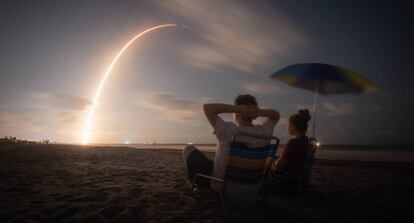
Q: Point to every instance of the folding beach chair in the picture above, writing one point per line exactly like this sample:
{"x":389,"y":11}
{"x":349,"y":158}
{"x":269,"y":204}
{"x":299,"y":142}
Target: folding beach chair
{"x":308,"y":164}
{"x":294,"y":183}
{"x":247,"y":165}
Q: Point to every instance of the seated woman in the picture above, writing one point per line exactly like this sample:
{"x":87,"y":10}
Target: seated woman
{"x":291,"y":161}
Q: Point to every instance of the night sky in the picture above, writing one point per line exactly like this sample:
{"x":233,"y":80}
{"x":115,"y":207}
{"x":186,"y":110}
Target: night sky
{"x":54,"y":53}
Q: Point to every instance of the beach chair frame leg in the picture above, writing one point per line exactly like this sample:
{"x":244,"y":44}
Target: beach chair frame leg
{"x":199,"y":175}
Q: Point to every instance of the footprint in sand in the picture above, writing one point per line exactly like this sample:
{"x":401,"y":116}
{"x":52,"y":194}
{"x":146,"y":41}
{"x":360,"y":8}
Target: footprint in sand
{"x":36,"y":203}
{"x":111,"y":211}
{"x":67,"y":212}
{"x":62,"y":197}
{"x":94,"y":218}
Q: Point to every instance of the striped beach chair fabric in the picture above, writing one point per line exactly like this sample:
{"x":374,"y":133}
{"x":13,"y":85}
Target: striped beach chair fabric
{"x":248,"y":162}
{"x":246,"y":168}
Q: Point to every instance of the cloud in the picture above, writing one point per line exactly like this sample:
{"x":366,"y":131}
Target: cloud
{"x":281,"y":128}
{"x":68,"y":117}
{"x":40,"y":122}
{"x":60,"y":101}
{"x":338,"y":109}
{"x":16,"y":122}
{"x":337,"y":125}
{"x":329,"y":108}
{"x":173,"y":107}
{"x":262,"y":88}
{"x":304,"y":106}
{"x":52,"y":115}
{"x":234,"y":34}
{"x":373,"y":109}
{"x":70,"y":102}
{"x":378,"y":132}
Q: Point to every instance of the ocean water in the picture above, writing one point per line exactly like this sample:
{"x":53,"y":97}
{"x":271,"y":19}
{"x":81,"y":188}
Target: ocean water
{"x":330,"y":152}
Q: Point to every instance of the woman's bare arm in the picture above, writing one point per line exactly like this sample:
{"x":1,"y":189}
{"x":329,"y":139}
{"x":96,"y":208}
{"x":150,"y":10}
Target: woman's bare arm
{"x":281,"y":163}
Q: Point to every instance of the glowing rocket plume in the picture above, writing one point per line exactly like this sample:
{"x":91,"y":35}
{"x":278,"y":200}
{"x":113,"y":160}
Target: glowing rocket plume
{"x":108,"y":71}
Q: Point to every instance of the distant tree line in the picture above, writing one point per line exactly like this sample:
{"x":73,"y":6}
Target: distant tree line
{"x":14,"y":140}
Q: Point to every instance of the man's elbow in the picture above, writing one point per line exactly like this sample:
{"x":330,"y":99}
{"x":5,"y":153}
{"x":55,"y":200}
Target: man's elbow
{"x":206,"y":108}
{"x":275,"y":116}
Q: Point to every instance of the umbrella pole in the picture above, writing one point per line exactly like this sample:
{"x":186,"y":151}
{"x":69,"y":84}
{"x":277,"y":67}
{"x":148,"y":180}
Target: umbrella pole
{"x":315,"y":102}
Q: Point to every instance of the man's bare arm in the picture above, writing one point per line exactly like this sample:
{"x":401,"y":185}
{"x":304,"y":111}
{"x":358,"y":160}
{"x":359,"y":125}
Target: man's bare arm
{"x":213,"y":110}
{"x":272,"y":115}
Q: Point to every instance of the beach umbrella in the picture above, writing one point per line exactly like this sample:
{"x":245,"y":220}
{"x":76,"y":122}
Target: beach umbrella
{"x":323,"y":79}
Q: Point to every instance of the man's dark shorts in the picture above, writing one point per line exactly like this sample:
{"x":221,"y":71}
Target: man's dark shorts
{"x":197,"y":162}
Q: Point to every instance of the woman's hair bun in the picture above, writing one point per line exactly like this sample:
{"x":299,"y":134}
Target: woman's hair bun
{"x":300,"y":120}
{"x":304,"y":113}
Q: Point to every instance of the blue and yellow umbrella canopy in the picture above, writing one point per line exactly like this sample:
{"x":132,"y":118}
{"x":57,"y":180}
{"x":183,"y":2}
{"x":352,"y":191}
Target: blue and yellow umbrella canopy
{"x":324,"y":79}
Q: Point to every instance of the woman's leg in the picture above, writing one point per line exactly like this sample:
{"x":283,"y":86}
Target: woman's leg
{"x":196,"y":162}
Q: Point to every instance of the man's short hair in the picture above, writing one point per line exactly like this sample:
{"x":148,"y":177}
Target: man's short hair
{"x":245,"y":99}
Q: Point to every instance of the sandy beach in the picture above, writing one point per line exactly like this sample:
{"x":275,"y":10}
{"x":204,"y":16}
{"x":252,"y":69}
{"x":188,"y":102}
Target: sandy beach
{"x":66,"y":183}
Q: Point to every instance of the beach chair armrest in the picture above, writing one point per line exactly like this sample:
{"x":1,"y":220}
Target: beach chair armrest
{"x":204,"y":176}
{"x":208,"y":177}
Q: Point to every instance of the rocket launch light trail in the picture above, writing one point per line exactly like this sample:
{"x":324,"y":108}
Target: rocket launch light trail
{"x":108,"y":71}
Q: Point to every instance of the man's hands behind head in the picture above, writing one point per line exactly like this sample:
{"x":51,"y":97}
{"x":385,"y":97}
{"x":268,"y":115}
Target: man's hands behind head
{"x":250,"y":111}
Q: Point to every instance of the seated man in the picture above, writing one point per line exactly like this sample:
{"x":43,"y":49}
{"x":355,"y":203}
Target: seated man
{"x":245,"y":110}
